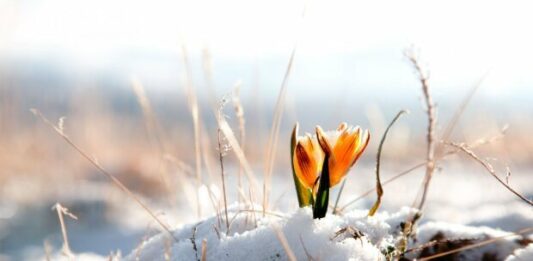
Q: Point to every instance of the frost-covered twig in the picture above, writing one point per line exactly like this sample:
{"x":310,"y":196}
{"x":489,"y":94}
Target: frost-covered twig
{"x":239,"y":112}
{"x":222,"y":149}
{"x":60,"y":212}
{"x":431,"y":115}
{"x":489,"y":168}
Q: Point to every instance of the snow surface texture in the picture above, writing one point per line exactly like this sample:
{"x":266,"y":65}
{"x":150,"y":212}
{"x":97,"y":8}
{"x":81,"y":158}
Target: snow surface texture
{"x":315,"y":239}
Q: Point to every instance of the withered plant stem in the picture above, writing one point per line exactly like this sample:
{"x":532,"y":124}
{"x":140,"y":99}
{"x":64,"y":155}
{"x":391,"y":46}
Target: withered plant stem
{"x":222,"y":174}
{"x":239,"y":112}
{"x":195,"y":113}
{"x":276,"y":122}
{"x":60,"y":212}
{"x":489,"y":168}
{"x":274,"y":131}
{"x":204,"y":250}
{"x":379,"y":187}
{"x":430,"y":135}
{"x":283,"y":240}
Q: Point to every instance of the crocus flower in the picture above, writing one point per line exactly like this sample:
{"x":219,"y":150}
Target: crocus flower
{"x":343,"y":147}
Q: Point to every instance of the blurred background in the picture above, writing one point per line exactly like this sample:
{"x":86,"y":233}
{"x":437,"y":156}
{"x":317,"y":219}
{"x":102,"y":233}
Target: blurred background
{"x":81,"y":60}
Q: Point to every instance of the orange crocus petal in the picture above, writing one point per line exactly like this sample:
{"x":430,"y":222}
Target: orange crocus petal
{"x":342,"y":126}
{"x":306,"y":161}
{"x":323,"y":140}
{"x":343,"y":155}
{"x":364,"y":142}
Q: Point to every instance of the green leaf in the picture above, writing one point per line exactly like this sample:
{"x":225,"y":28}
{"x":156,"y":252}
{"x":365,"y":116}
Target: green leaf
{"x":305,"y":195}
{"x":320,"y":207}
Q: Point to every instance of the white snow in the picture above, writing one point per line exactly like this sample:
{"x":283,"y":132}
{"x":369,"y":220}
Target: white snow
{"x":318,"y":239}
{"x":522,"y":254}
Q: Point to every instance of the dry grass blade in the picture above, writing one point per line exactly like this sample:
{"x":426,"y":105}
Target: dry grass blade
{"x":480,"y":244}
{"x":274,"y":132}
{"x":153,"y":129}
{"x":458,"y":113}
{"x":285,"y":244}
{"x":204,"y":250}
{"x":239,"y":112}
{"x":195,"y":113}
{"x":309,"y":257}
{"x":276,"y":123}
{"x":232,"y":140}
{"x":60,"y":212}
{"x":221,"y":159}
{"x":148,"y":113}
{"x":489,"y":168}
{"x":336,"y":210}
{"x":102,"y":171}
{"x":379,"y":188}
{"x":207,"y":65}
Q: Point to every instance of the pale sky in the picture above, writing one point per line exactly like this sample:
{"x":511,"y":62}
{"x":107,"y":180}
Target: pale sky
{"x":459,"y":40}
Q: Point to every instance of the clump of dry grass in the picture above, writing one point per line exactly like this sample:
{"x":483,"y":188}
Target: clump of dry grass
{"x":104,"y":172}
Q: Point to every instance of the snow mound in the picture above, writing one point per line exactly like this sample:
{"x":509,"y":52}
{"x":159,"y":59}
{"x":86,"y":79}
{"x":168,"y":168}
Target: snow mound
{"x":353,"y":236}
{"x":522,"y":254}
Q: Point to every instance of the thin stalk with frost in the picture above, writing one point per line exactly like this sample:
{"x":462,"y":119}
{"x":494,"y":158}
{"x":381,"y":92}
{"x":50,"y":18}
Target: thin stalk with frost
{"x":490,"y":169}
{"x":222,"y":149}
{"x":430,"y":135}
{"x":60,"y":212}
{"x":239,"y":112}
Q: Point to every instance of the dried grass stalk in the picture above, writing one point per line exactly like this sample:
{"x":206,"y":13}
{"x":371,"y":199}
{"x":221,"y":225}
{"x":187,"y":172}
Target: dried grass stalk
{"x":60,"y":212}
{"x":285,"y":244}
{"x":430,"y":135}
{"x":379,"y":188}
